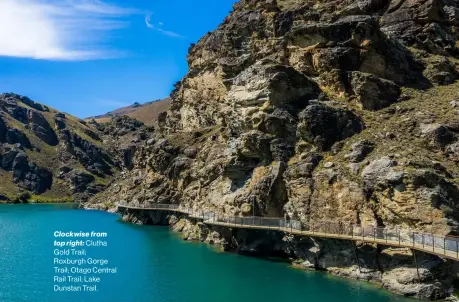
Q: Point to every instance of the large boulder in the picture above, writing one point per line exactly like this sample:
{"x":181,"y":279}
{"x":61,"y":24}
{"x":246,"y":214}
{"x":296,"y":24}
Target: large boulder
{"x":322,"y":125}
{"x":344,"y":58}
{"x":7,"y":157}
{"x":38,"y":180}
{"x":45,"y":134}
{"x":379,"y":172}
{"x":360,"y":150}
{"x":368,"y":91}
{"x":128,"y":155}
{"x":59,"y":123}
{"x":30,"y":176}
{"x":438,"y":135}
{"x":20,"y":166}
{"x":440,"y":70}
{"x":79,"y":180}
{"x":18,"y":112}
{"x":14,"y":136}
{"x":266,"y":81}
{"x":266,"y":85}
{"x":41,"y":128}
{"x":246,"y":152}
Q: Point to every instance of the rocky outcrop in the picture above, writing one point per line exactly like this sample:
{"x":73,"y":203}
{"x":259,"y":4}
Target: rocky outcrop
{"x":368,"y":91}
{"x":93,"y":158}
{"x":14,"y":136}
{"x":323,"y":126}
{"x":119,"y":126}
{"x":32,"y":119}
{"x":41,"y":128}
{"x":440,"y":70}
{"x":360,"y":150}
{"x":425,"y":24}
{"x":30,"y":176}
{"x":316,"y":111}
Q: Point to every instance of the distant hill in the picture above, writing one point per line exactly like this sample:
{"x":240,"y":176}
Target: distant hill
{"x":146,"y":113}
{"x":47,"y":155}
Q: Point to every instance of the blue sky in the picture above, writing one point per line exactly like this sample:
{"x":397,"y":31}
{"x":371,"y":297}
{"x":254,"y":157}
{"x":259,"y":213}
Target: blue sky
{"x":87,"y":57}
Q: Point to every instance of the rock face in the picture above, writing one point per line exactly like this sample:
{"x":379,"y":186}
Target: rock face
{"x":323,"y":126}
{"x":368,"y":91}
{"x":69,"y":159}
{"x":360,"y":150}
{"x":316,"y":111}
{"x":34,"y":178}
{"x":425,"y":24}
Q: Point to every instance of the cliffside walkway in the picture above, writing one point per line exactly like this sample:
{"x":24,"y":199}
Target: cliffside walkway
{"x":446,"y":247}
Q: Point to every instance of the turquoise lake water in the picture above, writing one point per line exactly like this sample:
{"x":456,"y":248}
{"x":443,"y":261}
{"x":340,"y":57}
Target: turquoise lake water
{"x":153,"y":264}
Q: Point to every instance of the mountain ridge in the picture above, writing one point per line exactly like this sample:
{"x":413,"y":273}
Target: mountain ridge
{"x":146,"y":113}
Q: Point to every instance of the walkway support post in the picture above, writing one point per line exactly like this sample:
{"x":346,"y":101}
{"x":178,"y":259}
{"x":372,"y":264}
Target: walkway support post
{"x":356,"y":255}
{"x":416,"y":263}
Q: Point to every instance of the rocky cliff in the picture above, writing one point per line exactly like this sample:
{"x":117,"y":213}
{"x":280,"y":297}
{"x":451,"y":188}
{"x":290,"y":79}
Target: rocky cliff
{"x":47,"y":155}
{"x":317,"y":111}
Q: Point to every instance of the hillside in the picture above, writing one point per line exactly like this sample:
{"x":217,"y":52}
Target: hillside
{"x":146,"y":113}
{"x":319,"y":111}
{"x":47,"y":155}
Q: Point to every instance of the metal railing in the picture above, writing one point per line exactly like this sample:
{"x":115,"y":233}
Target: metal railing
{"x":392,"y":236}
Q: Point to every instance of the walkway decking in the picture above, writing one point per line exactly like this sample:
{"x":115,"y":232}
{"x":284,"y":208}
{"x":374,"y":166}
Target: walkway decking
{"x":446,"y":247}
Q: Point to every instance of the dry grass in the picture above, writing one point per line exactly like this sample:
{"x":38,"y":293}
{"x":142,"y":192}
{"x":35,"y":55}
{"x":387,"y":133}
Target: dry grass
{"x":147,"y":113}
{"x":7,"y":187}
{"x":396,"y":130}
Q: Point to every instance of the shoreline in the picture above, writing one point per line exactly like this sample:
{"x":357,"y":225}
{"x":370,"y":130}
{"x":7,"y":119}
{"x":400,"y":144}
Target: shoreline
{"x":192,"y":230}
{"x":40,"y":202}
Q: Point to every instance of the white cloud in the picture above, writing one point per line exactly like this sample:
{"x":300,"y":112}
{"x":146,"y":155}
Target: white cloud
{"x":60,"y":29}
{"x":159,"y":28}
{"x":99,"y":7}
